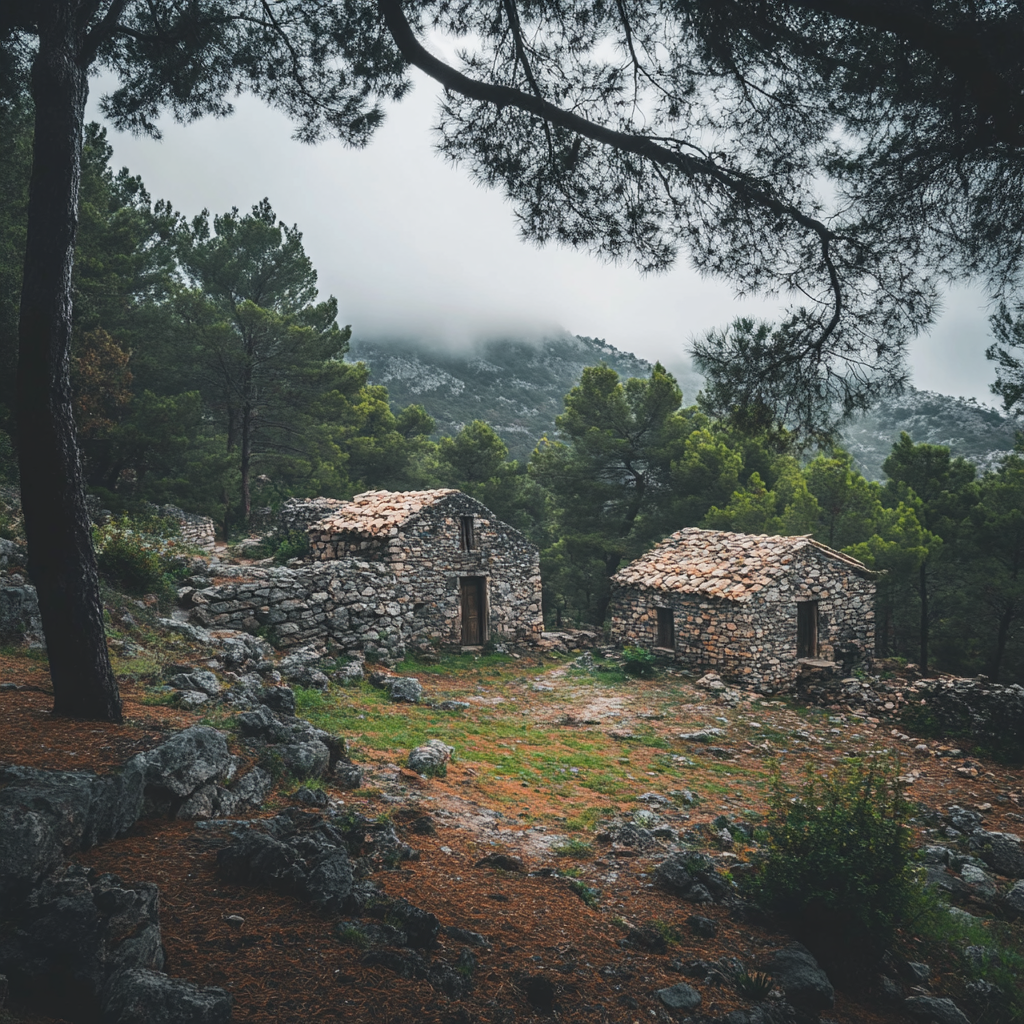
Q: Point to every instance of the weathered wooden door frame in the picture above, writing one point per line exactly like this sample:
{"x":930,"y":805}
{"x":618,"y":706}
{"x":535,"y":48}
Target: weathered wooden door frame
{"x":475,"y":589}
{"x":807,"y":629}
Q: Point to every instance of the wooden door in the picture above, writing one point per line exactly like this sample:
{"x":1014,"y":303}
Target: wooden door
{"x":473,"y":610}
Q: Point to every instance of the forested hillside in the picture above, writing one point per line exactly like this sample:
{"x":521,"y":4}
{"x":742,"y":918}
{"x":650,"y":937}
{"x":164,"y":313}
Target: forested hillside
{"x":517,"y":385}
{"x":980,"y":434}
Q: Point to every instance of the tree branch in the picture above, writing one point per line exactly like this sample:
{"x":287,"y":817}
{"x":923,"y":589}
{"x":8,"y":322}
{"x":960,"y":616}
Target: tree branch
{"x":957,"y":47}
{"x":751,"y":191}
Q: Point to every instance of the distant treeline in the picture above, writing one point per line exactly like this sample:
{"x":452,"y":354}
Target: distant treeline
{"x":209,"y":373}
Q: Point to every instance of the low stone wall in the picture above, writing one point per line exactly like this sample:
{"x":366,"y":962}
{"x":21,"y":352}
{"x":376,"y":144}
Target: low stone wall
{"x":196,"y":530}
{"x":359,"y":605}
{"x":299,"y":514}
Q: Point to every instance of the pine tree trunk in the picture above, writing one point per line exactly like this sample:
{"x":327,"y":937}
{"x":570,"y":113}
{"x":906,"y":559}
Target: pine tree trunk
{"x":1003,"y":635}
{"x":922,"y":589}
{"x":61,"y":560}
{"x":246,"y":461}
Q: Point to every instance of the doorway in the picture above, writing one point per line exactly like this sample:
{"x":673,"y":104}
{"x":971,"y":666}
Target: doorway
{"x":666,"y":628}
{"x":807,"y":629}
{"x":474,"y":610}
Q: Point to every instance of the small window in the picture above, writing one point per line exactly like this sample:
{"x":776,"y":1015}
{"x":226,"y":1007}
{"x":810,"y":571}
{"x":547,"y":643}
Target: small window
{"x":666,"y":628}
{"x":467,"y":538}
{"x":807,"y":629}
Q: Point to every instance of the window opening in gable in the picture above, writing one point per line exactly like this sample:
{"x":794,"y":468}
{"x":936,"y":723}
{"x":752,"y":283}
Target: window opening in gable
{"x":666,"y":628}
{"x":467,"y":537}
{"x":807,"y":629}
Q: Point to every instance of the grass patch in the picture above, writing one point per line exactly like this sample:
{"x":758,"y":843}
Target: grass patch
{"x":606,"y":784}
{"x":587,"y":893}
{"x":140,"y":668}
{"x":578,"y":848}
{"x":584,"y":820}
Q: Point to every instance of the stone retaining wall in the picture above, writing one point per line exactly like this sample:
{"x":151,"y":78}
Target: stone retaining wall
{"x":196,"y":530}
{"x":359,"y":605}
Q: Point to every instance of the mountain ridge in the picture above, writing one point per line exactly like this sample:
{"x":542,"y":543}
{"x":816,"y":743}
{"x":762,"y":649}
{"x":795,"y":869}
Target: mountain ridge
{"x":518,"y":386}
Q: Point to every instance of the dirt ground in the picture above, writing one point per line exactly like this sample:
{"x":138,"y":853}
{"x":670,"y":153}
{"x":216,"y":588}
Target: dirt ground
{"x":283,"y":963}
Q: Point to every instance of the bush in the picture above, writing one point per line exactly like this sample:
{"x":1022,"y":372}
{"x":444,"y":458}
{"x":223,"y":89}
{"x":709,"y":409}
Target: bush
{"x":839,"y":866}
{"x":636,"y":661}
{"x":293,"y":544}
{"x":138,"y":556}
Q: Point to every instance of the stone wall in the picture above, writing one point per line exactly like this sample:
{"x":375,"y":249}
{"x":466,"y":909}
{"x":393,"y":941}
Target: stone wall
{"x":196,"y":530}
{"x":299,"y":514}
{"x":755,"y":642}
{"x":358,"y":605}
{"x":425,"y":556}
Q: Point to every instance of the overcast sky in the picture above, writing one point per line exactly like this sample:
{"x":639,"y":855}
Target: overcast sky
{"x":411,"y":246}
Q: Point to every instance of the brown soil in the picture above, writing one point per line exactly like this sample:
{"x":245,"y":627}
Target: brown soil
{"x":285,"y":964}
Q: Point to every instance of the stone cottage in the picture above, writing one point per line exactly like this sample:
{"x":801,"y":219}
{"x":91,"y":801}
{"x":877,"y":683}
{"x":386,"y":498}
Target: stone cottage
{"x":751,"y":607}
{"x":470,"y":577}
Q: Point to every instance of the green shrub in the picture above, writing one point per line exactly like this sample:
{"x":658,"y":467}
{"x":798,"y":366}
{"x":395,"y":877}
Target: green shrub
{"x":129,"y":565}
{"x":589,"y":895}
{"x":637,"y":661}
{"x":293,"y":544}
{"x":839,"y":866}
{"x":140,"y":555}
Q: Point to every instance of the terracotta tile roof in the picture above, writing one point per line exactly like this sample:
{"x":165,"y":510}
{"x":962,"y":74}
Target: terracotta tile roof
{"x":374,"y":513}
{"x":734,"y":566}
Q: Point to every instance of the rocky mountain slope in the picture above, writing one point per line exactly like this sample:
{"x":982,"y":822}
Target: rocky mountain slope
{"x":978,"y":433}
{"x":517,"y":386}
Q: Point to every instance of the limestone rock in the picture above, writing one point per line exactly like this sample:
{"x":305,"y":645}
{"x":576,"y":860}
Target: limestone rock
{"x":19,"y":612}
{"x":279,"y":698}
{"x":1015,"y":897}
{"x":932,"y":1009}
{"x":429,"y":757}
{"x":1002,"y":851}
{"x":301,"y":857}
{"x":692,"y":876}
{"x":804,"y":983}
{"x":680,"y":997}
{"x":404,"y":690}
{"x":186,"y":761}
{"x":141,"y":996}
{"x":82,"y":928}
{"x":45,"y":815}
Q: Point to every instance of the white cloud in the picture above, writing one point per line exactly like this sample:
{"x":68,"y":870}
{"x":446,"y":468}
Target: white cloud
{"x":411,"y":246}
